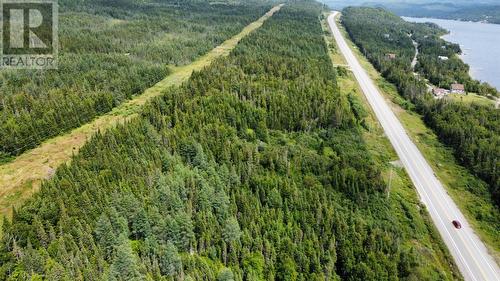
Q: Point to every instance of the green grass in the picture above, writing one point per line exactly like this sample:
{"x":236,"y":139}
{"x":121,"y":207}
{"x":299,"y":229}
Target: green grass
{"x":22,"y":176}
{"x":479,"y":210}
{"x":5,"y":158}
{"x":411,"y":214}
{"x":471,"y":98}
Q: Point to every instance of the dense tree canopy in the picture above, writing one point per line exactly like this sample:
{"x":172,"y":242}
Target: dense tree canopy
{"x":489,"y":13}
{"x":471,"y":130}
{"x":109,"y":51}
{"x":379,"y":33}
{"x":255,"y":169}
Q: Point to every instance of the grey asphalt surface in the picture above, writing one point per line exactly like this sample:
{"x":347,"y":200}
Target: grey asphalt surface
{"x":468,"y":251}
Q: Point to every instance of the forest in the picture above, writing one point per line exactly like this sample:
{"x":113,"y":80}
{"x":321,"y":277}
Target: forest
{"x":468,"y":11}
{"x":109,"y":52}
{"x":471,"y":130}
{"x":443,"y":73}
{"x":254,"y":169}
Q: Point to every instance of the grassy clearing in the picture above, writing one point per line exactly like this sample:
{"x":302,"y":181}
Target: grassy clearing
{"x":22,"y":176}
{"x":471,"y":98}
{"x":411,"y":215}
{"x":479,"y":210}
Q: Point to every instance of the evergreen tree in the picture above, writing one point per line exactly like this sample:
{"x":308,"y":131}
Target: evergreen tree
{"x":225,"y":275}
{"x":125,"y":265}
{"x":170,"y":261}
{"x":105,"y":235}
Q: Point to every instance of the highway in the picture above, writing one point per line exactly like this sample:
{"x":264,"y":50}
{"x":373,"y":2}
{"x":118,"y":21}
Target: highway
{"x":468,"y":251}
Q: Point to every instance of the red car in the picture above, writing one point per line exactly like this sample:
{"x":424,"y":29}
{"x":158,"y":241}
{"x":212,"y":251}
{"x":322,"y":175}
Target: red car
{"x":457,"y":224}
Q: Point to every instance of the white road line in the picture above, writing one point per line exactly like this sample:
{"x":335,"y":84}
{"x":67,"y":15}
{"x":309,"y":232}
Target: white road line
{"x":470,"y":254}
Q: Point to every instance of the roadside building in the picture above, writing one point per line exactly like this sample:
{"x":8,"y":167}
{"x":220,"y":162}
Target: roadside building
{"x":439,"y":93}
{"x":458,"y":88}
{"x":443,"y":57}
{"x":390,"y":56}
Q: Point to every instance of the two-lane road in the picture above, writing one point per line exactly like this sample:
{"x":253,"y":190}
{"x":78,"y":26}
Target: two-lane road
{"x":467,"y":249}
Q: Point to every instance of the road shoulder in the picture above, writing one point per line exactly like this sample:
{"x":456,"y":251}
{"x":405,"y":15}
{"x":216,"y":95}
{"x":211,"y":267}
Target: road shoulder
{"x":478,"y":210}
{"x":411,"y":214}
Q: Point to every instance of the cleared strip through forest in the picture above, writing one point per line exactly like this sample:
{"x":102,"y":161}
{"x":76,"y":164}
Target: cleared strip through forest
{"x":23,"y":176}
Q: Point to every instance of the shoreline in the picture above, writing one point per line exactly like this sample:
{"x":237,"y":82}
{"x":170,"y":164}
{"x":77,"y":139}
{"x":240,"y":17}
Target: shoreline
{"x":475,"y":69}
{"x":457,"y":20}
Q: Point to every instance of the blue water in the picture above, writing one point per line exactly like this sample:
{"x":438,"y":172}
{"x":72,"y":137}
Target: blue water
{"x":480,"y":44}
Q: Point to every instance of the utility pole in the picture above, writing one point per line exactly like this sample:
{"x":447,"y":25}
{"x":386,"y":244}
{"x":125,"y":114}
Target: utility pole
{"x":390,"y":182}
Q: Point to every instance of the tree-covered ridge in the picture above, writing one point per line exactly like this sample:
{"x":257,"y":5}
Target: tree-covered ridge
{"x":379,"y":32}
{"x":253,"y":170}
{"x":472,"y":11}
{"x":472,"y":131}
{"x":109,"y":51}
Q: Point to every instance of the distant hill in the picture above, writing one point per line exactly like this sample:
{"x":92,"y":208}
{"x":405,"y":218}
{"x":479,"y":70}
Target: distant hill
{"x":484,"y":11}
{"x":345,"y":3}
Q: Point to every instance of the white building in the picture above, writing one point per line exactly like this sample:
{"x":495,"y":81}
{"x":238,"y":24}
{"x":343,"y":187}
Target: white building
{"x":439,"y":93}
{"x":458,"y":88}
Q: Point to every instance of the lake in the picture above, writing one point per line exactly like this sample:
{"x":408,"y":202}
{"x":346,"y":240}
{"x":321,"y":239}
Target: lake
{"x":480,"y":44}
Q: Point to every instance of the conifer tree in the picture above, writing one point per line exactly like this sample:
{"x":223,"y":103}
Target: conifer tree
{"x":170,"y":261}
{"x":125,"y":263}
